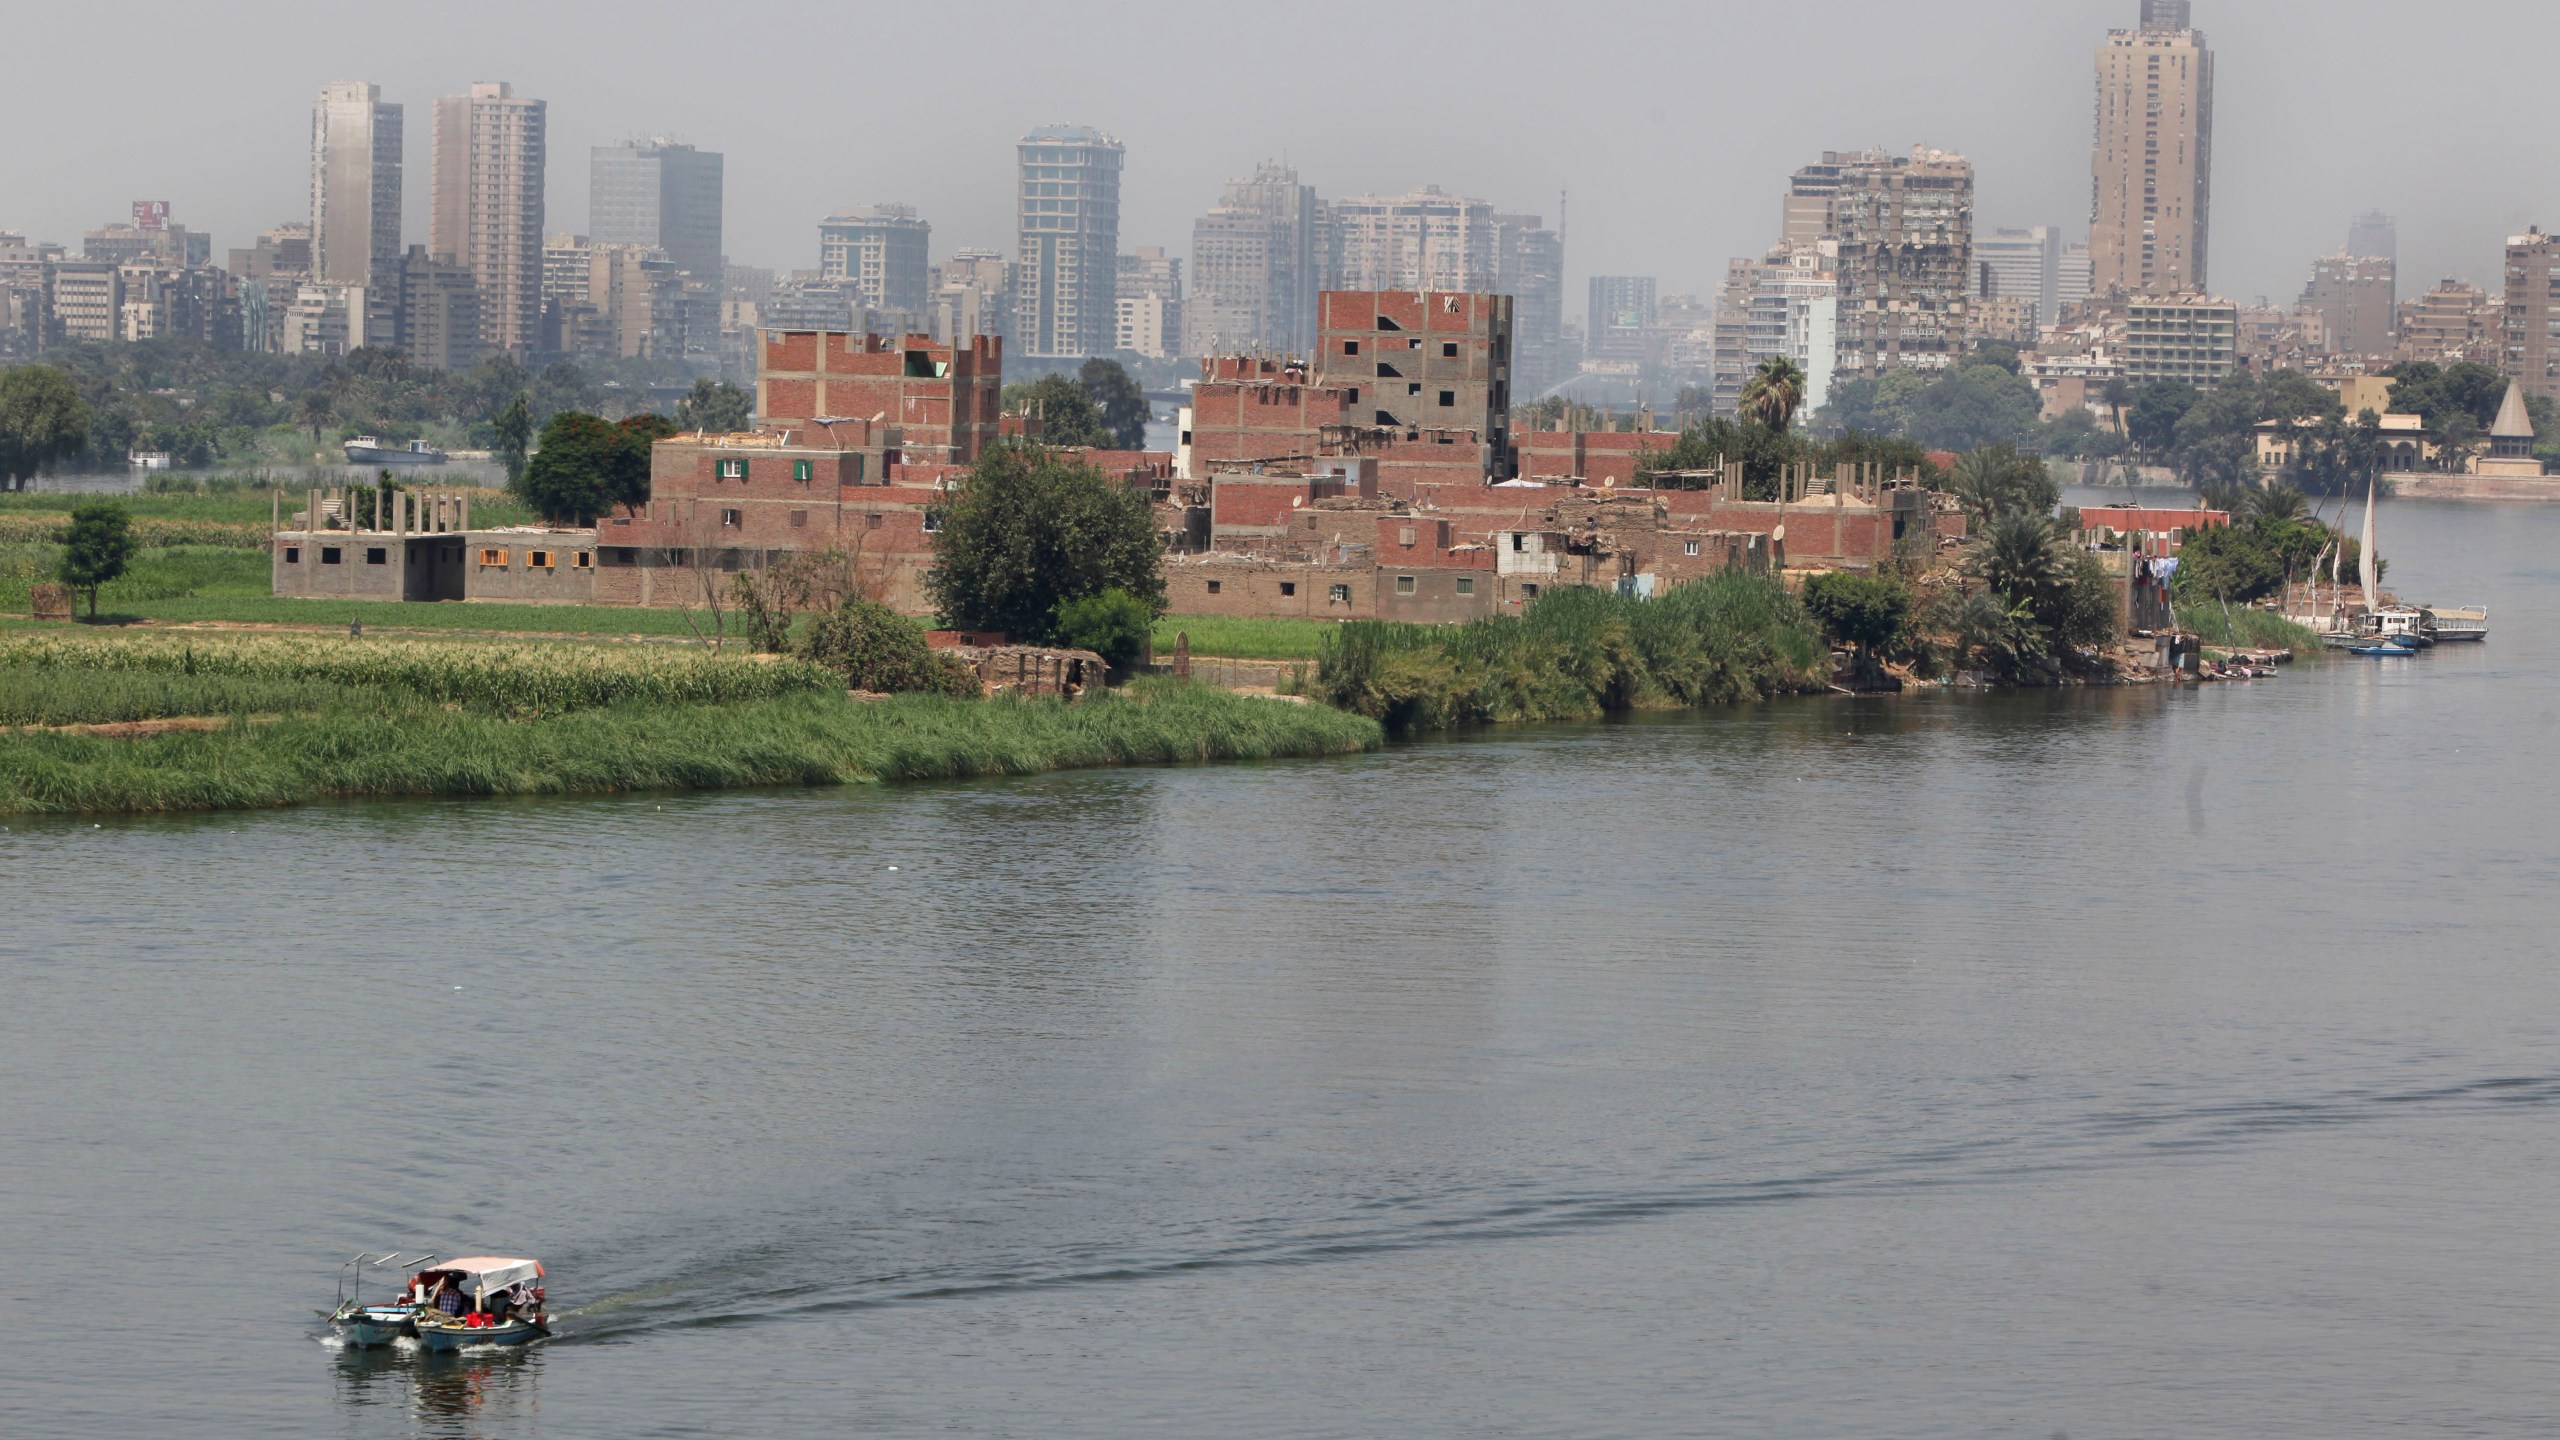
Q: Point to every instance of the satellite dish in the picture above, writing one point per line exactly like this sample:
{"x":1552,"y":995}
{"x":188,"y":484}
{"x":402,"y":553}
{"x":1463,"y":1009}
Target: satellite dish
{"x":1779,"y":535}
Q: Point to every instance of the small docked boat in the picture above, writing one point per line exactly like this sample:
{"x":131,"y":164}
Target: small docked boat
{"x":2401,"y":625}
{"x":364,"y":1326}
{"x":479,"y":1300}
{"x":2383,"y":651}
{"x":369,"y":450}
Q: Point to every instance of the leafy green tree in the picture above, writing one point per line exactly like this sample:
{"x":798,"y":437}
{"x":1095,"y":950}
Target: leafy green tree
{"x":1881,"y":406}
{"x":1774,"y":393}
{"x":562,"y":386}
{"x":572,"y":478}
{"x":1866,"y":612}
{"x":879,"y":650}
{"x":43,"y":421}
{"x":1707,"y":444}
{"x":715,"y":407}
{"x":97,"y":548}
{"x":2021,"y":556}
{"x":629,"y":485}
{"x":1029,"y":531}
{"x":2229,"y":564}
{"x":1066,"y":414}
{"x":1989,"y":629}
{"x":1978,"y":405}
{"x":2152,"y":423}
{"x":513,"y":432}
{"x":2085,"y":616}
{"x":316,"y":408}
{"x":1119,"y":405}
{"x":1114,"y":625}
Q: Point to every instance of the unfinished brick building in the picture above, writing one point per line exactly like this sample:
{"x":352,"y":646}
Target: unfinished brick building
{"x":1422,"y":363}
{"x":944,"y":399}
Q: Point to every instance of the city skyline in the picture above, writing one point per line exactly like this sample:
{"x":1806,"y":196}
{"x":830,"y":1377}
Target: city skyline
{"x":237,"y":173}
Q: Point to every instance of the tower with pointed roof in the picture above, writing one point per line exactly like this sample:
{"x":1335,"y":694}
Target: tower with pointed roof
{"x":2510,"y":440}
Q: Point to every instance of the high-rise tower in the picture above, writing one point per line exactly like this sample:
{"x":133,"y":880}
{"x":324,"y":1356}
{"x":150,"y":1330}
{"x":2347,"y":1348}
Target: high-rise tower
{"x":355,"y":198}
{"x":1066,"y":273}
{"x":2151,"y":189}
{"x":488,"y":206}
{"x":658,"y":194}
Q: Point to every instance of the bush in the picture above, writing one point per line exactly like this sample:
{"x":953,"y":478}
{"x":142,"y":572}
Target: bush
{"x":1863,"y":611}
{"x":877,"y":649}
{"x":1114,"y":625}
{"x":1029,"y":531}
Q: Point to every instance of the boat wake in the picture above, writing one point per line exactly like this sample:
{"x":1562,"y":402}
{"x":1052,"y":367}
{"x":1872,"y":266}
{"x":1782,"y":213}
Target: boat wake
{"x":806,"y":1261}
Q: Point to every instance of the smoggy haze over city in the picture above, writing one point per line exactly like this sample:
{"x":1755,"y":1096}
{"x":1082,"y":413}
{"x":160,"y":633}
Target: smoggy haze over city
{"x":1674,"y":126}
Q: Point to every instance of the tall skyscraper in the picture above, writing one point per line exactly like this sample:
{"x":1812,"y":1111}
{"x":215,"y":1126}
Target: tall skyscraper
{"x":1905,"y":267}
{"x":2151,"y":186}
{"x":1256,"y":264}
{"x":355,"y":199}
{"x":2374,"y":233}
{"x":1150,"y":303}
{"x":1529,"y":267}
{"x":881,"y":251}
{"x":1428,"y":240}
{"x":1067,"y":262}
{"x":1622,"y":309}
{"x":658,"y":194}
{"x":2533,"y":312}
{"x":2021,"y":264}
{"x":488,"y":206}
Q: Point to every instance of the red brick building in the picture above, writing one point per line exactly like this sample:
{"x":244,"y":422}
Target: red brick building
{"x":944,"y":399}
{"x":1601,"y":457}
{"x":1427,"y":363}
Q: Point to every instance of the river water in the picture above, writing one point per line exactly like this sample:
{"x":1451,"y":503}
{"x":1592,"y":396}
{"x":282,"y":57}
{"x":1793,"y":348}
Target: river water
{"x":2122,"y":1063}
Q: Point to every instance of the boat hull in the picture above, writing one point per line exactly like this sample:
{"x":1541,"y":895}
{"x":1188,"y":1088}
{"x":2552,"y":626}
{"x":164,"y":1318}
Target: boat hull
{"x":370,"y":1326}
{"x":444,"y":1337}
{"x":367,"y":455}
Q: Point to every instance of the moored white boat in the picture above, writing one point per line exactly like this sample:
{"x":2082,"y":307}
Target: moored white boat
{"x":2457,"y":622}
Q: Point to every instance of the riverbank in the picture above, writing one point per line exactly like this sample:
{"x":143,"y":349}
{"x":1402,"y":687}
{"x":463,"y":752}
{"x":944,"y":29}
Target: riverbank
{"x":287,"y":721}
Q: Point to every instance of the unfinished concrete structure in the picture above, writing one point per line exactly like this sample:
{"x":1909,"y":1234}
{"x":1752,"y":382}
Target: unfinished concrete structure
{"x":1433,"y":362}
{"x":944,"y":399}
{"x":367,"y":544}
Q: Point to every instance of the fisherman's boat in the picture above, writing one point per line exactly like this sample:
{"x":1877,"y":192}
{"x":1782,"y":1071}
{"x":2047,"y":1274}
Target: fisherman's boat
{"x":479,"y":1300}
{"x":369,"y":450}
{"x":364,"y":1326}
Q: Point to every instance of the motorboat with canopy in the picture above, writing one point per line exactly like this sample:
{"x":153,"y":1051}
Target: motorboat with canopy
{"x":478,"y":1300}
{"x":365,"y":1326}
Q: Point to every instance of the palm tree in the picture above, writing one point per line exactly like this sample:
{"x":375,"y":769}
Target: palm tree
{"x":2118,"y":393}
{"x":1996,"y":480}
{"x":1774,"y":393}
{"x":2020,"y":556}
{"x":2278,"y":501}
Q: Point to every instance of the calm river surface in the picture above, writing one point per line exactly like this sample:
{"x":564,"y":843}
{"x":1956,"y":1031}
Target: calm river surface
{"x":2132,"y":1063}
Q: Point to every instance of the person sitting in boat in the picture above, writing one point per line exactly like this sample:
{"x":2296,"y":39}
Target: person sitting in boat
{"x":449,"y":1297}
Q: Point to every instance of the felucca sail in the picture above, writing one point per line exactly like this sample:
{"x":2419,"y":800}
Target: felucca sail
{"x":2364,"y":562}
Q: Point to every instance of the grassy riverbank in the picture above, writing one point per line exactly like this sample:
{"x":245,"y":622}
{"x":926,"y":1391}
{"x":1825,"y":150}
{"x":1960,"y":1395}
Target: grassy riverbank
{"x":2248,"y":628}
{"x":289,"y":720}
{"x":1576,"y":654}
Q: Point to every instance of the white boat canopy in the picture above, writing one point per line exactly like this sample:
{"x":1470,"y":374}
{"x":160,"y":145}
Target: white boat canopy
{"x":485,"y":1275}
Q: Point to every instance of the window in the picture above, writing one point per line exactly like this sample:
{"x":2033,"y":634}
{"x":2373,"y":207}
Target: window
{"x":1215,"y":586}
{"x":1339,"y":595}
{"x":376,"y":555}
{"x":804,"y":470}
{"x":799,"y":519}
{"x":586,"y":560}
{"x":732,"y":519}
{"x":733,"y":470}
{"x":293,"y":554}
{"x":1448,"y":398}
{"x":1449,"y":349}
{"x":1528,"y":592}
{"x":1350,"y":347}
{"x":871,"y":522}
{"x":1288,"y":588}
{"x":537,"y":559}
{"x":1404,"y":535}
{"x":1466,"y":585}
{"x":1688,"y":547}
{"x":933,"y":522}
{"x":1414,"y":344}
{"x":1414,"y":388}
{"x":1404,"y":584}
{"x":1519,"y":542}
{"x":329,"y":555}
{"x":1386,"y":324}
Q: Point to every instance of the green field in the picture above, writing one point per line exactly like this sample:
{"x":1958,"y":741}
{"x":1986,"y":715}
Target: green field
{"x":1232,"y":639}
{"x":294,"y":718}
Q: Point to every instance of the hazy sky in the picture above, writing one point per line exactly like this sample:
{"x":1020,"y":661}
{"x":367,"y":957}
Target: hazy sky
{"x":1674,"y":125}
